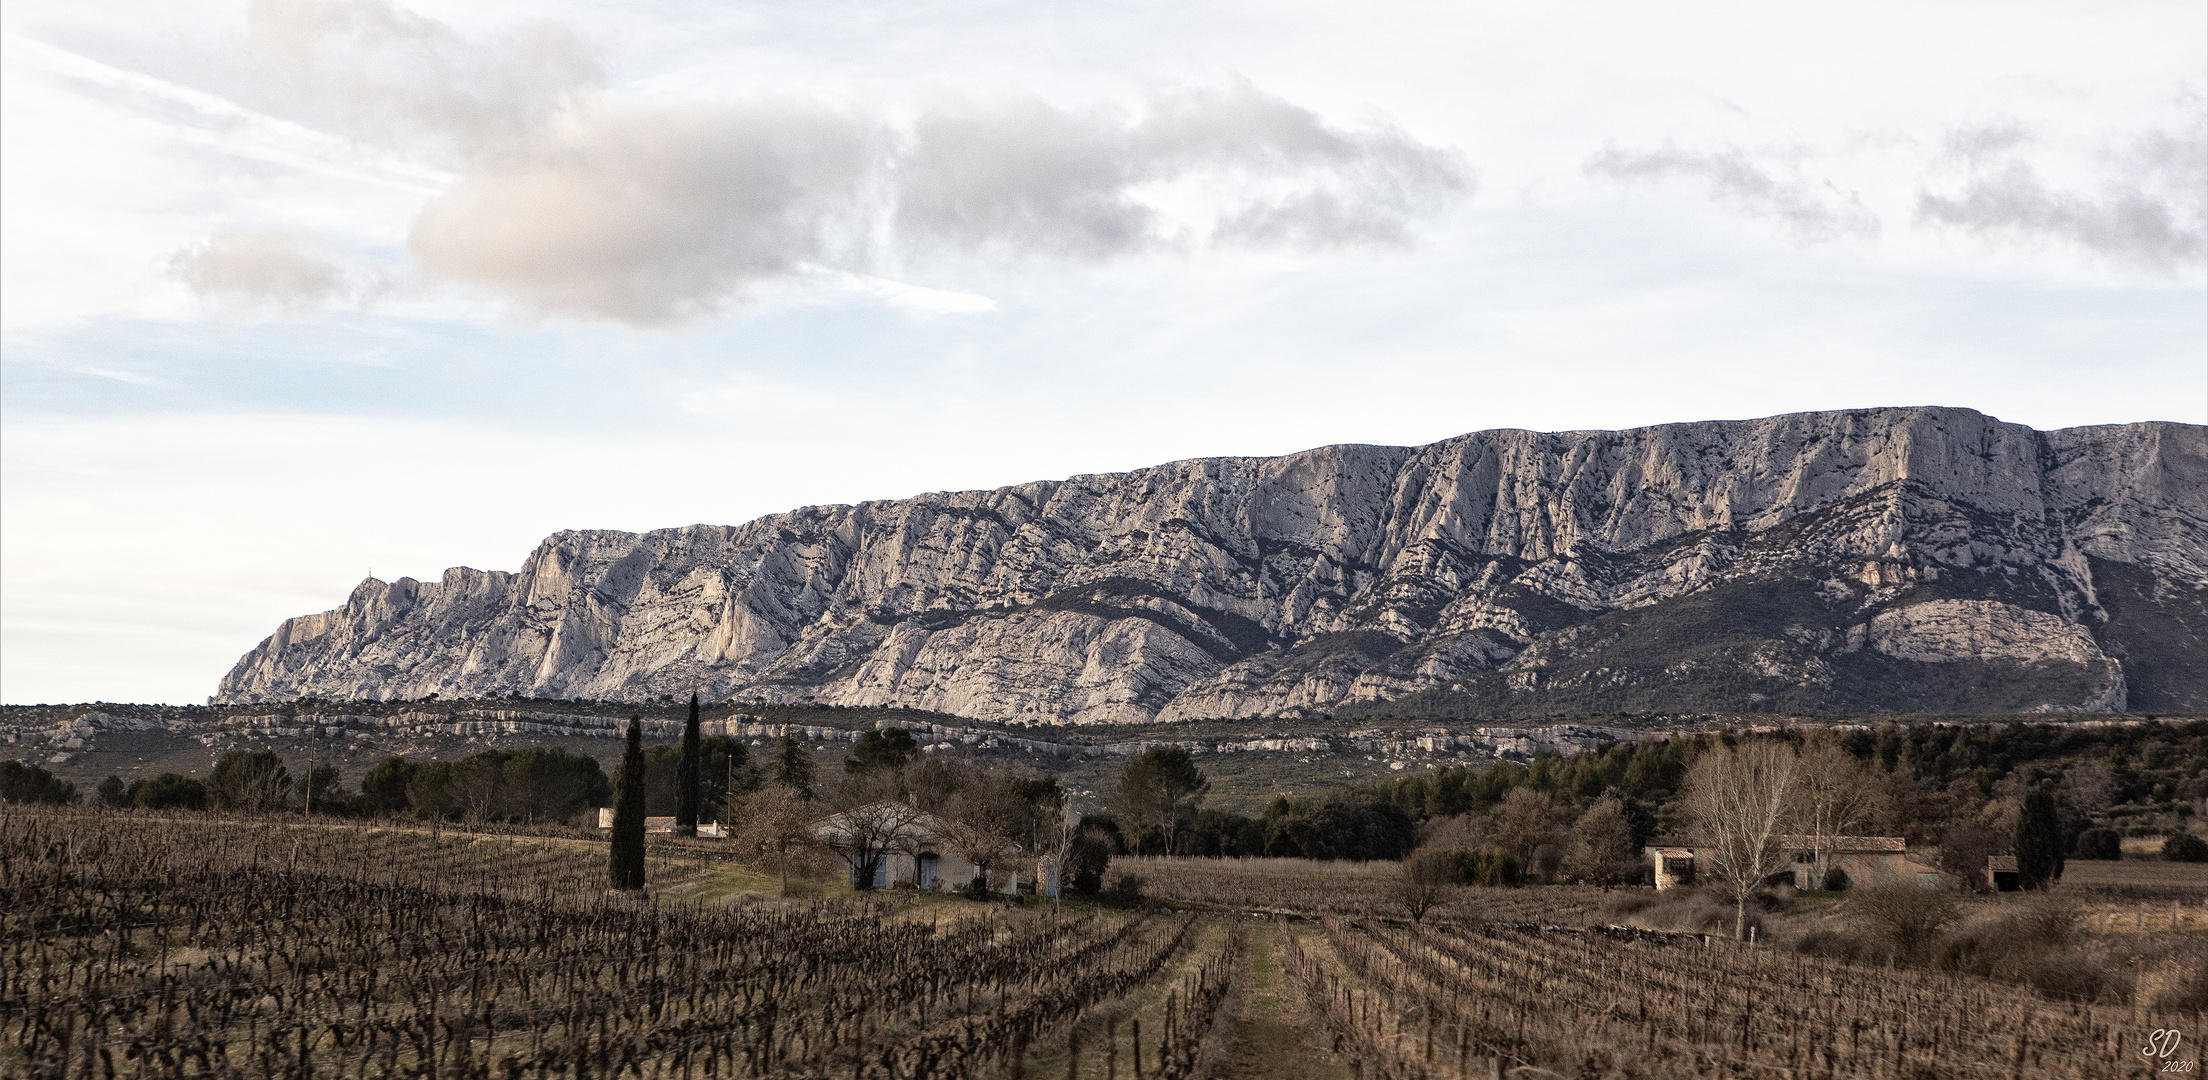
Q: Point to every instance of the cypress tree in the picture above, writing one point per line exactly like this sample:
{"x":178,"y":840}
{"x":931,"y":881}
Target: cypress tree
{"x":686,"y":776}
{"x":628,"y":812}
{"x":2038,"y":841}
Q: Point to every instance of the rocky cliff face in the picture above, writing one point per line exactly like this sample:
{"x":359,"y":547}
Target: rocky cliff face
{"x":1844,"y":561}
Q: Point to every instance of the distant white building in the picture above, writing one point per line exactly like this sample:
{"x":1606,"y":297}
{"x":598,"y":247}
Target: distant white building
{"x":664,"y":824}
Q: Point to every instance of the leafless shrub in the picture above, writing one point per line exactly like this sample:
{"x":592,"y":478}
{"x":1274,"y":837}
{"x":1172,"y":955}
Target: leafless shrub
{"x":1620,"y":904}
{"x":1424,"y":881}
{"x":1907,"y":917}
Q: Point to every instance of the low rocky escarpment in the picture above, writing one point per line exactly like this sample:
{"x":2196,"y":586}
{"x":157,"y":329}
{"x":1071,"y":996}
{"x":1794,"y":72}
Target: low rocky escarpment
{"x":1913,"y":559}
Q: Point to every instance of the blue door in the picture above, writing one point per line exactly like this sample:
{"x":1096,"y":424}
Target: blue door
{"x":927,"y":872}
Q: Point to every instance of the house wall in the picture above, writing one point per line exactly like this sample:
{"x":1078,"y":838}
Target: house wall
{"x":1674,"y":867}
{"x":902,"y":869}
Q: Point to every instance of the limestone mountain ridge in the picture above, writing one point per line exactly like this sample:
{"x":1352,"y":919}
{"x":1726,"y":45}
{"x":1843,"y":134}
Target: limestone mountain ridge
{"x":1904,"y":559}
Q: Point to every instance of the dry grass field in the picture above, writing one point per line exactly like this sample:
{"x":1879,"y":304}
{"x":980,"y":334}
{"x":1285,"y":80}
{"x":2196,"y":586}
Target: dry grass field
{"x":191,"y":946}
{"x":2142,"y":875}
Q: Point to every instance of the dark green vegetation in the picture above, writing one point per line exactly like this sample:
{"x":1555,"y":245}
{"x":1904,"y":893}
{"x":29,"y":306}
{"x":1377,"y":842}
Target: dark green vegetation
{"x":31,"y":785}
{"x":889,"y":748}
{"x":532,"y":785}
{"x":2038,"y":840}
{"x":686,"y":776}
{"x":2142,"y":780}
{"x":1947,"y":784}
{"x":627,"y":854}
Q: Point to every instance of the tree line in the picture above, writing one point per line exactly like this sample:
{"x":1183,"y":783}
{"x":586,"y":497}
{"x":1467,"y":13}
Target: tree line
{"x":889,"y":799}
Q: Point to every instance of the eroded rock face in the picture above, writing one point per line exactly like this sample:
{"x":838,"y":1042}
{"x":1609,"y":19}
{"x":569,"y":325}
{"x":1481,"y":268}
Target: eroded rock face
{"x":1890,"y":558}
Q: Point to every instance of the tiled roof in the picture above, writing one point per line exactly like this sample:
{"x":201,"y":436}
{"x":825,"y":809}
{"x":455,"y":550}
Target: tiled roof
{"x":1841,"y":845}
{"x":2001,"y":864}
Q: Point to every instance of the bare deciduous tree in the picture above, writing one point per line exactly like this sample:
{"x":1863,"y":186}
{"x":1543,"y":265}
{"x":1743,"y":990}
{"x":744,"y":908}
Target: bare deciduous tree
{"x":777,"y":819}
{"x":1737,"y":800}
{"x":1833,"y":796}
{"x":1055,"y":839}
{"x":873,"y":818}
{"x":985,"y":820}
{"x":1525,"y":820}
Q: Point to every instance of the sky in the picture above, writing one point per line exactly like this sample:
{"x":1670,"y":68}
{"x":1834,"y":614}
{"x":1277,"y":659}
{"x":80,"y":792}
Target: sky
{"x":296,"y":292}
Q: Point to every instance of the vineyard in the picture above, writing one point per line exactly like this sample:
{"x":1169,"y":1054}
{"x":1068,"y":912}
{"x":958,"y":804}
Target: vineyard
{"x":1302,"y":886}
{"x":1459,"y":1001}
{"x":142,"y":946}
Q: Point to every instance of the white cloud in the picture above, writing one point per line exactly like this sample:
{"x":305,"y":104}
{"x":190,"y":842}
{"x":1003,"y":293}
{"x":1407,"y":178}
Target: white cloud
{"x":1809,"y":210}
{"x":374,"y":70}
{"x":247,"y":268}
{"x":575,"y":201}
{"x":650,"y":214}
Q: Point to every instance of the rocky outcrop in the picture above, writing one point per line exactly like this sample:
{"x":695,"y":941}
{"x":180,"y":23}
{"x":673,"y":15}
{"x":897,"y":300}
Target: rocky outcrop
{"x":1844,"y":561}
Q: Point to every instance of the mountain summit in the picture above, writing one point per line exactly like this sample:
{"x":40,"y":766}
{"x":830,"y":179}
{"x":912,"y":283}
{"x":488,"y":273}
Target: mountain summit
{"x":1913,"y":559}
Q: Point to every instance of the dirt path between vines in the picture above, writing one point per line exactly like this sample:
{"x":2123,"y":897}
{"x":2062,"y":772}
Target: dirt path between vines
{"x":1273,"y":1038}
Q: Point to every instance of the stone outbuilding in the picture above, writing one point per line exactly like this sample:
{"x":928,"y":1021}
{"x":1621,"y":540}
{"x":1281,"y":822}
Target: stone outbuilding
{"x":1866,"y":860}
{"x":2001,"y":873}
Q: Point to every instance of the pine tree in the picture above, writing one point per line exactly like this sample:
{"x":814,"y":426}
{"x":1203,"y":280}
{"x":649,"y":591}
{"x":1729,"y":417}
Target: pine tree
{"x":628,"y":812}
{"x":686,"y":777}
{"x":794,"y":767}
{"x":2038,"y":841}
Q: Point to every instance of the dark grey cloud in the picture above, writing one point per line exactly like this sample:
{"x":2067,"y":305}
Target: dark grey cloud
{"x":1029,"y":178}
{"x":1022,"y":176}
{"x":1807,"y":210}
{"x":2153,"y":216}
